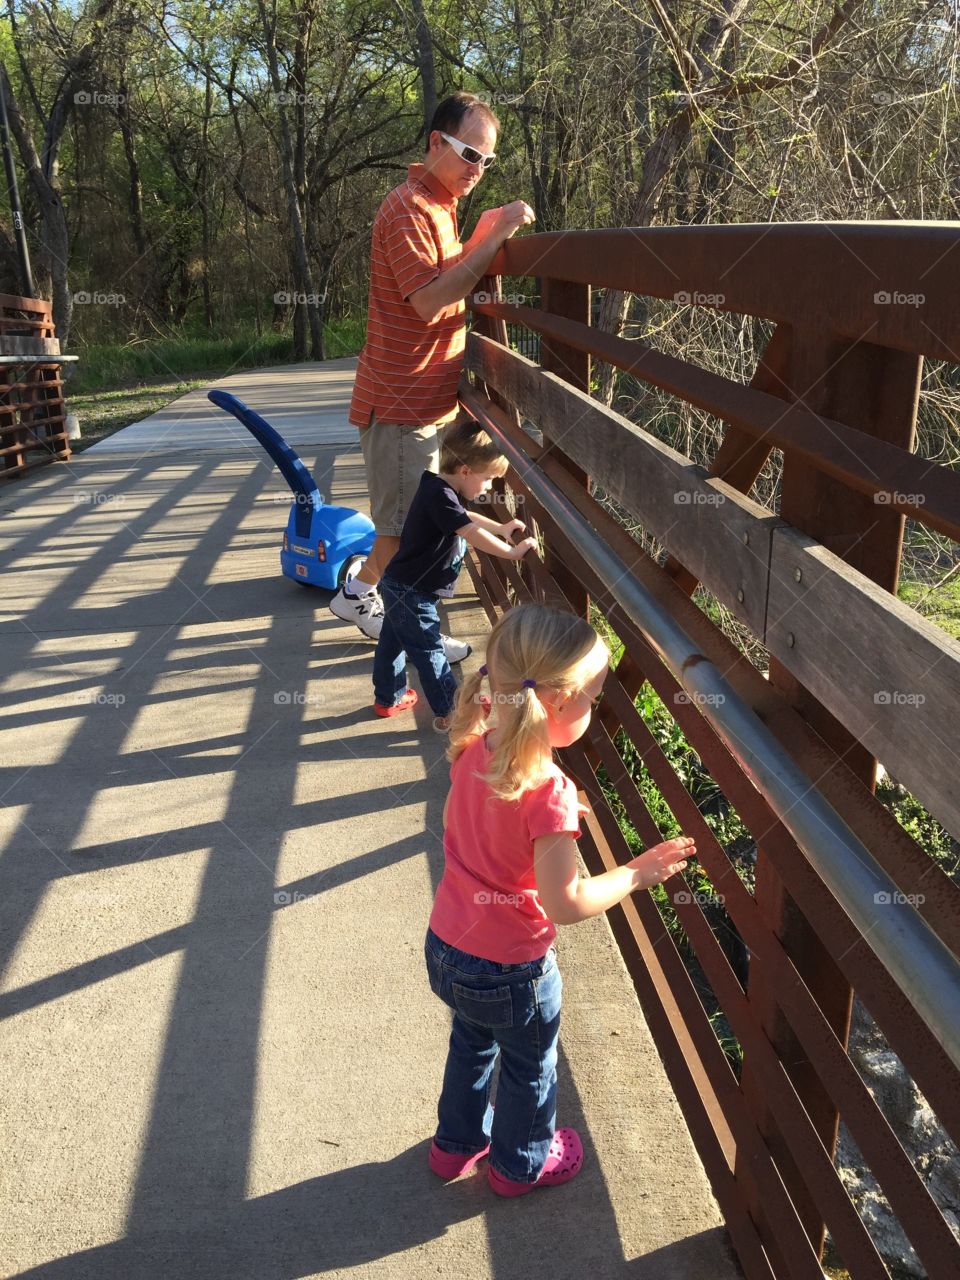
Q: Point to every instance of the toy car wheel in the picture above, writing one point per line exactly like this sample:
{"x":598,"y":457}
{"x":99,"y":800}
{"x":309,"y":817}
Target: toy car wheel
{"x":349,"y":568}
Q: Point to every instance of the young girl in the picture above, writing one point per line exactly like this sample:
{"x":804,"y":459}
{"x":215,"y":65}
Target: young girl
{"x":510,"y":878}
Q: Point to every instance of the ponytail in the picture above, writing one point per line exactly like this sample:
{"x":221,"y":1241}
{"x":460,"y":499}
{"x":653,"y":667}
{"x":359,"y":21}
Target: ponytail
{"x":533,"y":652}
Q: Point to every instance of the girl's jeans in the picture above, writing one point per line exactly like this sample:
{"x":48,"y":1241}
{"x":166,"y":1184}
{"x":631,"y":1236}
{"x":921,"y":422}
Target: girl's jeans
{"x":411,"y":629}
{"x":508,"y":1009}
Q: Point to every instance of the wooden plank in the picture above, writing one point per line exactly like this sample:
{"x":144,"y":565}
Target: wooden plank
{"x":890,"y":282}
{"x":571,"y":301}
{"x":889,"y":676}
{"x":20,"y":345}
{"x":926,"y":491}
{"x":713,"y":530}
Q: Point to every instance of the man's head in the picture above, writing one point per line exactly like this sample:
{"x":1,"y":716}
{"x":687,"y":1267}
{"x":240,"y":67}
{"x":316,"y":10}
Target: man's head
{"x":471,"y":124}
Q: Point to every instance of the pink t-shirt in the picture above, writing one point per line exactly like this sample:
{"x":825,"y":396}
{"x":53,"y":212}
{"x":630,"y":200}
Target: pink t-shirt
{"x":487,"y":902}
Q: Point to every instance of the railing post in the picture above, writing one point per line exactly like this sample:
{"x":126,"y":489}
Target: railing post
{"x":876,"y":390}
{"x":562,"y":298}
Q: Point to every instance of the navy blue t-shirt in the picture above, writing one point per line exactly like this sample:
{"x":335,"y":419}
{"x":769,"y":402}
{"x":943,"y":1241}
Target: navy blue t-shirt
{"x":431,"y":552}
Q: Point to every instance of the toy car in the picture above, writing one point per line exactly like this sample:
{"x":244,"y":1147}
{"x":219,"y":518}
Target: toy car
{"x":323,"y":545}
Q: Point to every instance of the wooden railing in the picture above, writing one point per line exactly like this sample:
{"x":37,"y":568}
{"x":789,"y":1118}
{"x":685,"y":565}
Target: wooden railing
{"x":33,"y":427}
{"x":854,"y":677}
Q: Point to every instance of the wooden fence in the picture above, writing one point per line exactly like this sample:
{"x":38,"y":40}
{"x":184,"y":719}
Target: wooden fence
{"x":854,"y":677}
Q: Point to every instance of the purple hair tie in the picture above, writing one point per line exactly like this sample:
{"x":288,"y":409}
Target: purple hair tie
{"x":483,"y":671}
{"x":529,"y":684}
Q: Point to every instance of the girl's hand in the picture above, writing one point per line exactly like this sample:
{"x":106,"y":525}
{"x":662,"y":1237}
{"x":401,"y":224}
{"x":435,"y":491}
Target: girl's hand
{"x":662,"y":861}
{"x":509,"y":526}
{"x":520,"y":549}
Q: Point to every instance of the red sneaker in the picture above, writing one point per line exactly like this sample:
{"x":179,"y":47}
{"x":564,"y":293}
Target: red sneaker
{"x":408,"y":700}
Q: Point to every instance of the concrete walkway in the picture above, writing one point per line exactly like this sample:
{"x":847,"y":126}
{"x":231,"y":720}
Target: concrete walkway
{"x":221,"y":1057}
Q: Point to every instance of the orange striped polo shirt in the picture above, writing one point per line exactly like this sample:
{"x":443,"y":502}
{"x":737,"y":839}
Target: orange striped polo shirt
{"x":409,"y":370}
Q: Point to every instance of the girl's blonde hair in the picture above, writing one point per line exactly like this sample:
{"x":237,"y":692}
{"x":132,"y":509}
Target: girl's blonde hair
{"x":532,"y":643}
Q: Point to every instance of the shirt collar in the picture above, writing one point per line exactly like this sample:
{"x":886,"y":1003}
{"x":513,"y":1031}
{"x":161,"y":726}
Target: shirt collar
{"x":420,"y":173}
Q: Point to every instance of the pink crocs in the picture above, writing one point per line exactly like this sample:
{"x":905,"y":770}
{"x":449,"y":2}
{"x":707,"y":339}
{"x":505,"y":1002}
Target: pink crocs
{"x":449,"y":1165}
{"x":564,"y":1160}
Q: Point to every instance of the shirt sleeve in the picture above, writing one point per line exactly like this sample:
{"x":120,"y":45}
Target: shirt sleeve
{"x":411,"y":249}
{"x":553,"y":809}
{"x":446,"y":510}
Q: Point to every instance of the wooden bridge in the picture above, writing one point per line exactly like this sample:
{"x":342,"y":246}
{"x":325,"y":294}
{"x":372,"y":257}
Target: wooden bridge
{"x":210,"y":845}
{"x":843,"y":902}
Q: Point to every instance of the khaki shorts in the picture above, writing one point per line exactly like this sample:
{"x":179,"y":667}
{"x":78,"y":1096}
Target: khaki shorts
{"x":395,"y":456}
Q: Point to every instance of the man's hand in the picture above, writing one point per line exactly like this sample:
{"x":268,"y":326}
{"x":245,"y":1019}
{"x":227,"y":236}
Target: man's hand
{"x":509,"y":527}
{"x":500,"y":224}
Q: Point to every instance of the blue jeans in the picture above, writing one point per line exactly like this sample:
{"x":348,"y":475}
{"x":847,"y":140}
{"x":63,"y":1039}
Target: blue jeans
{"x":510,"y":1010}
{"x":411,"y":629}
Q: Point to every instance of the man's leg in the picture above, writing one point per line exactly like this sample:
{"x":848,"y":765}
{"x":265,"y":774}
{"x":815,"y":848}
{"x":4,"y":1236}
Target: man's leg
{"x":381,"y":553}
{"x":394,"y":456}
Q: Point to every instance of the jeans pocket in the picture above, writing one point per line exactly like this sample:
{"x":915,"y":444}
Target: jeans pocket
{"x":491,"y":1008}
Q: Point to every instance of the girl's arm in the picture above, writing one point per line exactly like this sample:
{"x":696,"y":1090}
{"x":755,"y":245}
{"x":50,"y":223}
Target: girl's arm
{"x":568,"y":899}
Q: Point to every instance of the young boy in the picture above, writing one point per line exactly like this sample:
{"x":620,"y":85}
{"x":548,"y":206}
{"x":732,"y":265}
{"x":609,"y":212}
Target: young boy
{"x":432,"y":546}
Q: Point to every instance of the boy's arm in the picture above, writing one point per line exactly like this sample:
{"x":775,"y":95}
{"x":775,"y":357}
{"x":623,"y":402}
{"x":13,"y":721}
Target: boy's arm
{"x":483,"y":540}
{"x":502,"y":529}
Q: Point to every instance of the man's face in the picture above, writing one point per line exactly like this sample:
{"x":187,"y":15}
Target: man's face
{"x":455,"y":174}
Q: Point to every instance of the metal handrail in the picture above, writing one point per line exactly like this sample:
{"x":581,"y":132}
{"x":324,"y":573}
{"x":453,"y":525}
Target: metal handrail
{"x":923,"y":966}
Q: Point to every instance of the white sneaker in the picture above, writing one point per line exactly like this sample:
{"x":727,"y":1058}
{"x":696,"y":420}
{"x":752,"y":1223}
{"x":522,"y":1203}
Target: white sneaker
{"x":455,"y":650}
{"x":365,"y":611}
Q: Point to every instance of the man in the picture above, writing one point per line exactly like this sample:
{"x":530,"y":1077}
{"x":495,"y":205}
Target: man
{"x":409,"y":370}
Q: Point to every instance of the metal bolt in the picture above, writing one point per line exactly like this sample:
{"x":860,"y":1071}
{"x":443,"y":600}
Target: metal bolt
{"x":740,"y":595}
{"x":791,"y":639}
{"x":798,"y":574}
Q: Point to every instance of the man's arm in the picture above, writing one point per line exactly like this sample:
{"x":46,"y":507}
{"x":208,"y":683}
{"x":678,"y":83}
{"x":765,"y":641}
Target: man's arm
{"x":456,"y":282}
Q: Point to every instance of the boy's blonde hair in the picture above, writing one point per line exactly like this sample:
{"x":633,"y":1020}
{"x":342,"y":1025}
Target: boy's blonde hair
{"x":466,"y":444}
{"x":530,"y":643}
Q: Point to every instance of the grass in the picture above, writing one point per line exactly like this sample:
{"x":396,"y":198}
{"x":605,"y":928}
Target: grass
{"x":106,"y":412}
{"x":940,"y":605}
{"x":118,"y":384}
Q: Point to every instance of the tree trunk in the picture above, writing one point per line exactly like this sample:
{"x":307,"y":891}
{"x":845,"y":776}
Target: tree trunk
{"x":426,"y":67}
{"x":303,"y":276}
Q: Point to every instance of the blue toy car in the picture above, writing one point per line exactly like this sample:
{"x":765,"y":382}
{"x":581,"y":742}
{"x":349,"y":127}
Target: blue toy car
{"x":323,"y":545}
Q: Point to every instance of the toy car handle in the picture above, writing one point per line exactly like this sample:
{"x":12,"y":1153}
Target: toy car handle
{"x":292,"y":468}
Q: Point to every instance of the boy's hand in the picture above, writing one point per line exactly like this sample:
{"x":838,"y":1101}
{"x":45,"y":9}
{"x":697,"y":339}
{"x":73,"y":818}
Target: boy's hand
{"x":520,"y":549}
{"x":509,"y":527}
{"x":662,"y":861}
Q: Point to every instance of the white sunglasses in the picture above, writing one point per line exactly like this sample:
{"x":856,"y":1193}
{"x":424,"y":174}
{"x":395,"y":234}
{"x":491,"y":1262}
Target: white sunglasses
{"x":470,"y":154}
